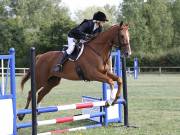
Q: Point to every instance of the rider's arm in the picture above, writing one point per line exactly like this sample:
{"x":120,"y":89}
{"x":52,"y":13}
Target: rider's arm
{"x":99,"y":30}
{"x":81,"y":30}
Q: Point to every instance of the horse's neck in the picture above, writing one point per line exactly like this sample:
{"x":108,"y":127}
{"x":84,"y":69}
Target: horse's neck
{"x":103,"y":42}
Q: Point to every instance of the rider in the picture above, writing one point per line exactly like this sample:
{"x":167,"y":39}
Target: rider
{"x":84,"y":31}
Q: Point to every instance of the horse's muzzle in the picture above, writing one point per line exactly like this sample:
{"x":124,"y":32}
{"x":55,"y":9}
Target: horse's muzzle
{"x":127,"y":51}
{"x":127,"y":54}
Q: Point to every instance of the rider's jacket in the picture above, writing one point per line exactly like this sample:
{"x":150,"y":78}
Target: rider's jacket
{"x":86,"y":27}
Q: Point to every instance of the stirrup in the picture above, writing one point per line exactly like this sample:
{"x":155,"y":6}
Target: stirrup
{"x":60,"y":67}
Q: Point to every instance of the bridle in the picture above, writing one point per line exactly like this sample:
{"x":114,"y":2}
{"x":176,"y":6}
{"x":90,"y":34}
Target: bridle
{"x":118,"y":43}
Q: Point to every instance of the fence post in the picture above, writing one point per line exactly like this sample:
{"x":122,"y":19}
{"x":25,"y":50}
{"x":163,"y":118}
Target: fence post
{"x":159,"y":70}
{"x":125,"y":95}
{"x":33,"y":92}
{"x":135,"y":68}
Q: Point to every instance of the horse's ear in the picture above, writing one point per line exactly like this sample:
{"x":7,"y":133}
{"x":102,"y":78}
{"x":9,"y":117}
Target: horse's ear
{"x":127,"y":25}
{"x":121,"y":23}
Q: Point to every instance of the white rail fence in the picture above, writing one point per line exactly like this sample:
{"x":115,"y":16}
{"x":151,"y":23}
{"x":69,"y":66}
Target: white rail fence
{"x":157,"y":70}
{"x":18,"y":71}
{"x":130,"y":70}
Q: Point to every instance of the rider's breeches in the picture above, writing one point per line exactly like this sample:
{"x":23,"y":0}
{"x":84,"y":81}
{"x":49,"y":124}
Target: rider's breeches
{"x":71,"y":45}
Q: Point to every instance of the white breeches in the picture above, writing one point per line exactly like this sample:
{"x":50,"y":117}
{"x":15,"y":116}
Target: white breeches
{"x":71,"y":45}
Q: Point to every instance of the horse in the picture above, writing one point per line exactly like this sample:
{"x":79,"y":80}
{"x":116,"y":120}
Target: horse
{"x":92,"y":65}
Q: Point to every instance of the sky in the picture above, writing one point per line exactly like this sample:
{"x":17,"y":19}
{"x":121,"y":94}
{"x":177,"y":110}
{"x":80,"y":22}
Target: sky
{"x":75,"y":5}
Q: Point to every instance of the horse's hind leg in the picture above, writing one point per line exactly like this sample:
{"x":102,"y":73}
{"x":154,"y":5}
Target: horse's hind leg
{"x":52,"y":82}
{"x":21,"y":116}
{"x":42,"y":92}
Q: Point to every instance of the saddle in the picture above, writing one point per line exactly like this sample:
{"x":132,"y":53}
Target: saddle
{"x":79,"y":47}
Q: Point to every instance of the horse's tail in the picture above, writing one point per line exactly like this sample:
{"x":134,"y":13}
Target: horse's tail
{"x":25,"y":78}
{"x":27,"y":75}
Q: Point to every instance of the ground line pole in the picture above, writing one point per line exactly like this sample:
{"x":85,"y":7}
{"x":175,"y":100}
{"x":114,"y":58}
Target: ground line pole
{"x":125,"y":95}
{"x":33,"y":92}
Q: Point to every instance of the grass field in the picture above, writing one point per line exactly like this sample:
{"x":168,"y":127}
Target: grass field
{"x":154,"y":106}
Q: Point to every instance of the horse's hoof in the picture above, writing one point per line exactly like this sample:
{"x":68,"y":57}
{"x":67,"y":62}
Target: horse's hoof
{"x":20,"y":117}
{"x":113,"y":103}
{"x":109,"y":103}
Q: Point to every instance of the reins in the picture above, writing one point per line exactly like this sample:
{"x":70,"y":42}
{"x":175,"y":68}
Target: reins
{"x":99,"y":54}
{"x":115,"y":41}
{"x":109,"y":52}
{"x":93,"y":50}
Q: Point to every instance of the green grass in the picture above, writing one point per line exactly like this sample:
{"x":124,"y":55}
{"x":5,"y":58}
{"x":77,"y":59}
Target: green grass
{"x":154,"y":106}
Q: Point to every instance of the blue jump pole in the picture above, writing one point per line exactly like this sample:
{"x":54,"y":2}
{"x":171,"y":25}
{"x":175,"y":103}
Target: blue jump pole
{"x":13,"y":86}
{"x":12,"y":93}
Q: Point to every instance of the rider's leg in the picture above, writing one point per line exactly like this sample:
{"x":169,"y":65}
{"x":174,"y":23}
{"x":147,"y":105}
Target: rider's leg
{"x":63,"y":60}
{"x":71,"y":46}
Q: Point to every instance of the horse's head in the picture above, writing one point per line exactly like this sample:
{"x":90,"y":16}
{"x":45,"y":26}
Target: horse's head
{"x":122,"y":39}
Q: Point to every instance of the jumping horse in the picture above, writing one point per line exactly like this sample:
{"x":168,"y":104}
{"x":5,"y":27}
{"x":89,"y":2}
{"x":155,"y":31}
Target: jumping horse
{"x":92,"y":64}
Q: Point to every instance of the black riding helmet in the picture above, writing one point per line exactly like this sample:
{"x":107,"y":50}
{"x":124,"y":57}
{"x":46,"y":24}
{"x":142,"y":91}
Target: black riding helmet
{"x":99,"y":16}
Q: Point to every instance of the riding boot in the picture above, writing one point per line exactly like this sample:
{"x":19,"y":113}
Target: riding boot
{"x":63,"y":60}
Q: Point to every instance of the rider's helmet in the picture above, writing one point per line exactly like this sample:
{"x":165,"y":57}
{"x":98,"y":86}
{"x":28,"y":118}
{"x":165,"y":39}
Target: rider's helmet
{"x":99,"y":16}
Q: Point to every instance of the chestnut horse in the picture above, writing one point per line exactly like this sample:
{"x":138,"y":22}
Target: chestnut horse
{"x":92,"y":64}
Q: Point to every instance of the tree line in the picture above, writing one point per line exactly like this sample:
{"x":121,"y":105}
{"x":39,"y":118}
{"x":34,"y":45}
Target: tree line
{"x":153,"y":26}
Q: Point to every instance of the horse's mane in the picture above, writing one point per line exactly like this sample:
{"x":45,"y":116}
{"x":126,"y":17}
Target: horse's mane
{"x":99,"y":34}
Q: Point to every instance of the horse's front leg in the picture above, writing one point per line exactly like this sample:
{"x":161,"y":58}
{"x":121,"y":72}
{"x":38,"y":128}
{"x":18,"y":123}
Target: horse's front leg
{"x":103,"y":77}
{"x":119,"y":83}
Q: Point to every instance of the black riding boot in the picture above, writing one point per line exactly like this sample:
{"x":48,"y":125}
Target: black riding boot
{"x":63,"y":60}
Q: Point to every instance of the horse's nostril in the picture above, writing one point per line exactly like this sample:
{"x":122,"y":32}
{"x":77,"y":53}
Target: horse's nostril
{"x":126,"y":54}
